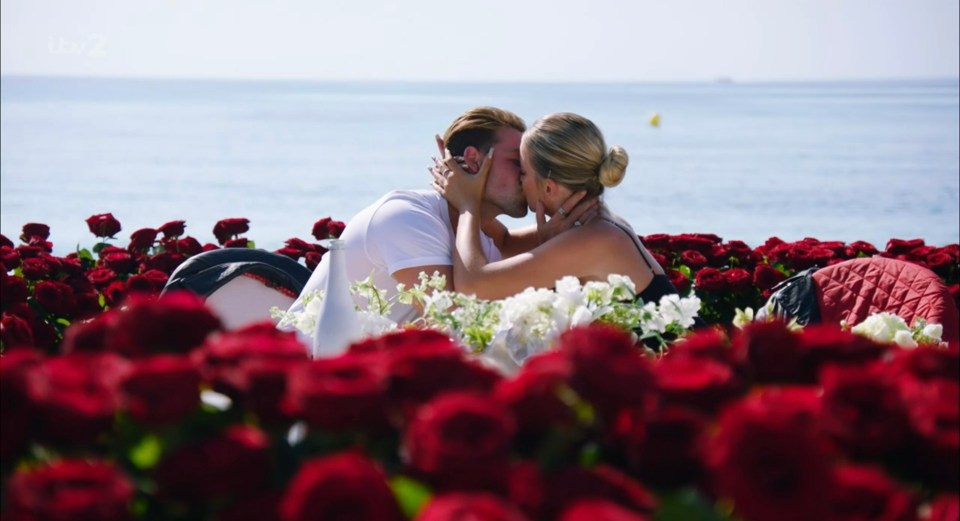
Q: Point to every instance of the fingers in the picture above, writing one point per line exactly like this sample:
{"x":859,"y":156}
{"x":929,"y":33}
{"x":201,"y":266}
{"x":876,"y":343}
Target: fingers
{"x":583,"y":210}
{"x":541,"y":216}
{"x":571,"y":203}
{"x":486,"y":165}
{"x":441,"y":146}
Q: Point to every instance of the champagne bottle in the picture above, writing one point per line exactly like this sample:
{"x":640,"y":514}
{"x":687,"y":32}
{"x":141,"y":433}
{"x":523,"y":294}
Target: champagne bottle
{"x":337,"y":324}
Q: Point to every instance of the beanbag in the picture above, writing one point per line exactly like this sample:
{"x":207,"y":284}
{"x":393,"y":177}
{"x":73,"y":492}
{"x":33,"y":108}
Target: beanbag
{"x":853,"y":290}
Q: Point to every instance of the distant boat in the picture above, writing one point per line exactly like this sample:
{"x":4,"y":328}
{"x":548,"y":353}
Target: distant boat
{"x":655,"y":119}
{"x":724,"y":79}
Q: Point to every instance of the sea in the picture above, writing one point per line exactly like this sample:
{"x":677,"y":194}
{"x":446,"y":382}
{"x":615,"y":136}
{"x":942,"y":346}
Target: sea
{"x":748,"y":161}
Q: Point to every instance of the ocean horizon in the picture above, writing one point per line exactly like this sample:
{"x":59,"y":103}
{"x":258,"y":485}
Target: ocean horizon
{"x":836,"y":160}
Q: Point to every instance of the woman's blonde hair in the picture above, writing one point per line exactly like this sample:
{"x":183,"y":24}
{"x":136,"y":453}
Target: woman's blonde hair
{"x":570,"y":149}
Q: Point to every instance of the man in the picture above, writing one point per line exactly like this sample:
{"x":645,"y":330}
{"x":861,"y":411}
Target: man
{"x":407,"y":232}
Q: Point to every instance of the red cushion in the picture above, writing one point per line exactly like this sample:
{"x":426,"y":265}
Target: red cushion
{"x":853,"y":290}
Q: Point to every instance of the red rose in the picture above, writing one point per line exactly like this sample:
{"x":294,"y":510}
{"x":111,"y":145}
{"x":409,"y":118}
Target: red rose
{"x":186,"y":246}
{"x":312,"y":260}
{"x":608,"y":370}
{"x":663,"y":449}
{"x":738,"y":279}
{"x":346,"y":392}
{"x":161,"y":389}
{"x":863,"y":409}
{"x":695,"y":241}
{"x":121,"y":262}
{"x":172,"y":228}
{"x":461,"y":441}
{"x":900,"y":246}
{"x":142,"y":239}
{"x":321,"y":229}
{"x":103,"y":225}
{"x":29,"y":252}
{"x":5,"y":242}
{"x":34,"y":230}
{"x":935,"y":421}
{"x":251,"y":365}
{"x":940,"y":262}
{"x":101,"y":277}
{"x":742,"y":252}
{"x":15,"y":332}
{"x":862,"y":492}
{"x":574,"y":484}
{"x":766,"y":276}
{"x":235,"y":462}
{"x":534,"y":394}
{"x":657,"y":241}
{"x":90,"y":335}
{"x":710,"y":279}
{"x":679,"y":280}
{"x":336,"y":228}
{"x":769,"y":462}
{"x":346,"y":485}
{"x":826,"y":343}
{"x":773,"y":351}
{"x":293,"y":253}
{"x":114,"y":293}
{"x":10,"y":258}
{"x":166,"y":262}
{"x":599,"y":510}
{"x":424,"y":364}
{"x":700,"y":383}
{"x":860,"y":249}
{"x":801,"y":257}
{"x":929,"y":362}
{"x":75,"y":396}
{"x":55,"y":297}
{"x":70,"y":489}
{"x":16,"y":422}
{"x":477,"y":506}
{"x":661,"y":259}
{"x":944,"y":507}
{"x":35,"y":268}
{"x":303,"y":246}
{"x":240,"y":242}
{"x":175,"y":323}
{"x":694,"y":259}
{"x":150,"y":282}
{"x":225,"y":229}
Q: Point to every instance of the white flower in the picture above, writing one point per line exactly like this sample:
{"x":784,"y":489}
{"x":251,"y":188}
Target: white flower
{"x":904,"y":339}
{"x":881,"y":327}
{"x":742,"y":317}
{"x":934,"y":332}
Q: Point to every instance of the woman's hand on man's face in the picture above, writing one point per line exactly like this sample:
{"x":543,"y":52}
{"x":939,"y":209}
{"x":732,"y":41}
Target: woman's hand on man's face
{"x":460,"y":188}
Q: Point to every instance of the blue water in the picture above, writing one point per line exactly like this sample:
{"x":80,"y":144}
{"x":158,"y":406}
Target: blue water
{"x":836,"y":161}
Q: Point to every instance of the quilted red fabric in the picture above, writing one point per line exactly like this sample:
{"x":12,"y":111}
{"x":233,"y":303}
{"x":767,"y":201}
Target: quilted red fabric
{"x":853,"y":290}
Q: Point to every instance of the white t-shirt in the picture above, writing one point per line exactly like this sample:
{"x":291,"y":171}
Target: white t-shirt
{"x":403,"y":229}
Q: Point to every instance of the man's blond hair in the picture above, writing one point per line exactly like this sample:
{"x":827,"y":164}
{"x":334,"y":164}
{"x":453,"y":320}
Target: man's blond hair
{"x":477,"y":127}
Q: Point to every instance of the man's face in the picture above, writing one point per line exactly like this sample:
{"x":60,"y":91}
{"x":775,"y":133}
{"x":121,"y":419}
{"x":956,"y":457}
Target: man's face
{"x":503,"y":185}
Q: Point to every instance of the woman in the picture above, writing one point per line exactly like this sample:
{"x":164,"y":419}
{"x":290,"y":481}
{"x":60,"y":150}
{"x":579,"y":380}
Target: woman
{"x":560,"y":155}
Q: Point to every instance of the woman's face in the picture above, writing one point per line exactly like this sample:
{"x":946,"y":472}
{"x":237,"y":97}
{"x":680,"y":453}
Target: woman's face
{"x":530,"y":180}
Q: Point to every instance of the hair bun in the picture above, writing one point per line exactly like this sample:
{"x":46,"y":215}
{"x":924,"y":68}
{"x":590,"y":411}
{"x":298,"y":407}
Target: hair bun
{"x":614,"y":166}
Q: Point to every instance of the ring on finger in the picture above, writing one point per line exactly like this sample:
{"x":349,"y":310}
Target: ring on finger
{"x":577,"y":223}
{"x":562,"y":212}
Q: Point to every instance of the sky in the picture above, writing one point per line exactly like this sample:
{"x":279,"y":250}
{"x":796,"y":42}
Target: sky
{"x":496,"y":40}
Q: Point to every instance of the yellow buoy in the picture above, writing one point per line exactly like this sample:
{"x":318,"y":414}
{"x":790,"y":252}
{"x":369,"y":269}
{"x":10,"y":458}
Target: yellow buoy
{"x":655,"y":119}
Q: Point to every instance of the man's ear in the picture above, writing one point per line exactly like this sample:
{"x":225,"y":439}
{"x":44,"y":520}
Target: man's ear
{"x":472,"y":156}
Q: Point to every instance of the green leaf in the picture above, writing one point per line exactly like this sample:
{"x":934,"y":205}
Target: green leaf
{"x":685,"y":270}
{"x":99,"y":246}
{"x":687,"y":505}
{"x":146,"y":453}
{"x":411,"y":495}
{"x":85,"y":254}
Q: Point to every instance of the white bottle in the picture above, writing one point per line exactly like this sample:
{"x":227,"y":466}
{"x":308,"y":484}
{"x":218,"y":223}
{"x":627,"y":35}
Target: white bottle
{"x":337,"y":324}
